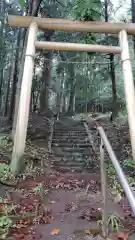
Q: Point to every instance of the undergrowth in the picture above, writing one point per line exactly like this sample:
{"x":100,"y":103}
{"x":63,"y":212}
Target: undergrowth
{"x":113,"y":223}
{"x":11,"y":219}
{"x":122,"y":118}
{"x":117,"y":189}
{"x":5,"y":172}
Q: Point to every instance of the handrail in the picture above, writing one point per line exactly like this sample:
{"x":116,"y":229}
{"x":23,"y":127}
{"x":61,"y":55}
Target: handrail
{"x":122,"y":178}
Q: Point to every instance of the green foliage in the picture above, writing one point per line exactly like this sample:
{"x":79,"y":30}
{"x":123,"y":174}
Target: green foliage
{"x":131,"y":180}
{"x":5,"y":222}
{"x":128,"y":163}
{"x":93,"y":81}
{"x":22,"y":3}
{"x":88,"y":10}
{"x":115,"y":223}
{"x":5,"y":141}
{"x":38,"y":189}
{"x":111,"y":171}
{"x":117,"y":188}
{"x":5,"y":172}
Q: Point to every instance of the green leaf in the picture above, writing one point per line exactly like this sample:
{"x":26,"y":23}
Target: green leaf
{"x":38,"y":189}
{"x":22,"y":3}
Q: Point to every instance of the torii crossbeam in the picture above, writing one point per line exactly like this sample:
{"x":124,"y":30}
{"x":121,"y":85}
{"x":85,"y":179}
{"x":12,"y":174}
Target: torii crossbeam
{"x":71,"y":25}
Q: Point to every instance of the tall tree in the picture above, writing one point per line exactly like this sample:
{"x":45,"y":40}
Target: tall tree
{"x":15,"y":77}
{"x":47,"y":67}
{"x":46,"y":78}
{"x":112,"y":70}
{"x":2,"y":45}
{"x":133,"y":18}
{"x":71,"y":108}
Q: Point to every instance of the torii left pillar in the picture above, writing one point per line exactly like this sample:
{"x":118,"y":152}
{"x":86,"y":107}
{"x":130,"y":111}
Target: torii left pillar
{"x":24,"y":102}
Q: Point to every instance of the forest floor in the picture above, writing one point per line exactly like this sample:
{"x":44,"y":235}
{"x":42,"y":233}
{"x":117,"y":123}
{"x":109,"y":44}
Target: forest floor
{"x":53,"y":205}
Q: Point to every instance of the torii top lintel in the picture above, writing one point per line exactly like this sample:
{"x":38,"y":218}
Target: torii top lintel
{"x":71,"y":25}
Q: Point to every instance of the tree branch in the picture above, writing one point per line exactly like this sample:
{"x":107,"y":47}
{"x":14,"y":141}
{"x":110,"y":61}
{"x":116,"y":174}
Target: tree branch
{"x":60,"y":3}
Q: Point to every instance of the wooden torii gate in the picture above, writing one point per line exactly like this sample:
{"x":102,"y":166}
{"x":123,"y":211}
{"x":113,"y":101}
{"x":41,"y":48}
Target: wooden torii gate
{"x":33,"y":23}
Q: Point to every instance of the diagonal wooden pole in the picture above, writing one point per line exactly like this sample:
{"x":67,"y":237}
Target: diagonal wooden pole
{"x":129,"y":86}
{"x":24,"y":103}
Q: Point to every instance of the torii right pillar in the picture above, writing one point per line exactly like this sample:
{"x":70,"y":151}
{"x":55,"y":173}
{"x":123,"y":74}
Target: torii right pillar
{"x":128,"y":85}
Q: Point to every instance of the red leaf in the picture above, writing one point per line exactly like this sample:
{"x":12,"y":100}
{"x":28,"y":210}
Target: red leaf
{"x":120,"y":236}
{"x":34,"y":184}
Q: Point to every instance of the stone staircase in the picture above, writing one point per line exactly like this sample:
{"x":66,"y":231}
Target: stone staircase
{"x":71,"y":147}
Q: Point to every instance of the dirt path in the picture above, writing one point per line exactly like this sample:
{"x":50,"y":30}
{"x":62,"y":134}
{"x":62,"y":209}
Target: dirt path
{"x":64,"y":210}
{"x":65,"y":206}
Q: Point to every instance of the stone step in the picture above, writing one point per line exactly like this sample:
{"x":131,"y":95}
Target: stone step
{"x":70,"y":145}
{"x":67,"y":162}
{"x":70,"y":134}
{"x":77,"y":159}
{"x":74,"y":140}
{"x":66,"y":129}
{"x":69,"y":138}
{"x":72,"y":154}
{"x":70,"y":130}
{"x":70,"y":164}
{"x":73,"y":127}
{"x":72,"y":169}
{"x":68,"y":169}
{"x":76,"y":150}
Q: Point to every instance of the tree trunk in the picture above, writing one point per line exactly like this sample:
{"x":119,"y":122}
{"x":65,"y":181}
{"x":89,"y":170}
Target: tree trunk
{"x":106,"y":10}
{"x":71,"y":108}
{"x":133,"y":18}
{"x":35,"y":95}
{"x":64,"y":104}
{"x":114,"y":92}
{"x":34,"y":7}
{"x":112,"y":71}
{"x":58,"y":89}
{"x":2,"y":54}
{"x":62,"y":92}
{"x":7,"y":91}
{"x":15,"y":78}
{"x":46,"y":79}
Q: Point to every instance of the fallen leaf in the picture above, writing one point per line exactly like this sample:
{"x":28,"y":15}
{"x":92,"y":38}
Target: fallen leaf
{"x":87,"y":231}
{"x":6,"y":201}
{"x":55,"y":231}
{"x":93,"y":232}
{"x":120,"y":236}
{"x":34,"y":184}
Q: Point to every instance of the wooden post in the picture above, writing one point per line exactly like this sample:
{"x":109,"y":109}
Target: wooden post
{"x":103,"y":190}
{"x":23,"y":111}
{"x":129,"y":86}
